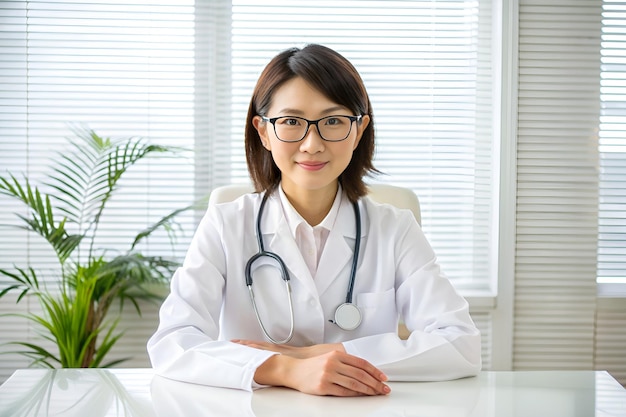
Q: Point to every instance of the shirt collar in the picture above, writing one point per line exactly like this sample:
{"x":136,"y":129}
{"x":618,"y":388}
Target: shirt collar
{"x":294,"y":219}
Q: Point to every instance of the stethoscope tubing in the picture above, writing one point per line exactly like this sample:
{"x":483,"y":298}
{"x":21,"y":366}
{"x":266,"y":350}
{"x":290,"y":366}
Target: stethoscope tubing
{"x":352,"y":310}
{"x":285,"y":276}
{"x":355,"y":257}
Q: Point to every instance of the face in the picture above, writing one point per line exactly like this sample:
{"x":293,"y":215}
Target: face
{"x":313,"y":164}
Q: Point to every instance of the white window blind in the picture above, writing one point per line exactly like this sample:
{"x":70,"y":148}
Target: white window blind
{"x":428,"y":69}
{"x":557,"y":184}
{"x":612,"y":212}
{"x":123,"y":70}
{"x":181,"y":72}
{"x":136,"y":70}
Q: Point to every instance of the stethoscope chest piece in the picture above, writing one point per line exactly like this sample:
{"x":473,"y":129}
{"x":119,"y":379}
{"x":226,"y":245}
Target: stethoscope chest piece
{"x":348,"y":316}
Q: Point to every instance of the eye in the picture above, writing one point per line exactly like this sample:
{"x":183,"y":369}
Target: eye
{"x":290,"y":121}
{"x":334,"y":121}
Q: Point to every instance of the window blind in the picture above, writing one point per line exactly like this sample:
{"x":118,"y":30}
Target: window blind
{"x":124,"y":69}
{"x":181,"y":73}
{"x":428,"y":69}
{"x":120,"y":69}
{"x":612,"y":142}
{"x":557,"y":184}
{"x":136,"y":70}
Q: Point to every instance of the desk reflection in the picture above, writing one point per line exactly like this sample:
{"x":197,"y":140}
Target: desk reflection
{"x":458,"y":398}
{"x":75,"y":393}
{"x":139,"y":393}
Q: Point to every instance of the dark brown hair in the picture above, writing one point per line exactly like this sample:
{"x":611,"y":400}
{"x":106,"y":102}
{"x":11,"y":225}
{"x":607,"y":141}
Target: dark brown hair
{"x":336,"y":78}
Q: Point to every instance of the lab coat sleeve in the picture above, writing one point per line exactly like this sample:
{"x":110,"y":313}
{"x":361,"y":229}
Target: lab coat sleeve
{"x":185,"y":346}
{"x":444,"y":343}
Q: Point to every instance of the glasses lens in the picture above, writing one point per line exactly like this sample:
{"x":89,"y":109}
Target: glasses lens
{"x":290,"y":129}
{"x":293,"y":129}
{"x":334,"y":127}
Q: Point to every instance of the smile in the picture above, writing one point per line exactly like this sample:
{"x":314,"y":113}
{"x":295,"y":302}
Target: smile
{"x":312,"y":166}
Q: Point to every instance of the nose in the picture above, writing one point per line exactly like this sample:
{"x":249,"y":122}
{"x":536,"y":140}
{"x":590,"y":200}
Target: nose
{"x":312,"y":141}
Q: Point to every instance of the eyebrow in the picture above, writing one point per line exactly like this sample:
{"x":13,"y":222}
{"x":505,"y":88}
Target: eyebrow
{"x":296,"y":112}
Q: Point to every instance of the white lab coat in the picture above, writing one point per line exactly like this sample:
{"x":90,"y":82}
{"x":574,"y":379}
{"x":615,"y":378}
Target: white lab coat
{"x":397,"y":278}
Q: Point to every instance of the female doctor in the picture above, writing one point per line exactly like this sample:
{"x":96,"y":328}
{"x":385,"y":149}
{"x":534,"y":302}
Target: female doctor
{"x":302,"y":283}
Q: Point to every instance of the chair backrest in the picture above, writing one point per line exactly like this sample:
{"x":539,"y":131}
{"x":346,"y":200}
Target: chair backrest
{"x":383,"y":193}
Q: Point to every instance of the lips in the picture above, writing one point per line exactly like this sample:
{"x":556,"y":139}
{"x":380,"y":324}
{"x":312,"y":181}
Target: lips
{"x":312,"y":165}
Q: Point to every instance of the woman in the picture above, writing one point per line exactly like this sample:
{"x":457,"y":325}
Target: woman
{"x":309,"y":143}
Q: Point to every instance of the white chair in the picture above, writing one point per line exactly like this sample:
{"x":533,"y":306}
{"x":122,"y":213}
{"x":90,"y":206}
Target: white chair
{"x":383,"y":193}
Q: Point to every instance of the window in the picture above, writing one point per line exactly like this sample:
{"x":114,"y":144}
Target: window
{"x":120,"y":70}
{"x":612,"y":207}
{"x":181,"y":73}
{"x":429,"y":72}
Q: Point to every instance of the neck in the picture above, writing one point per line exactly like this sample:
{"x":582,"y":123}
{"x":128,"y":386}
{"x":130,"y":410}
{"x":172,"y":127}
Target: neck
{"x":313,"y":205}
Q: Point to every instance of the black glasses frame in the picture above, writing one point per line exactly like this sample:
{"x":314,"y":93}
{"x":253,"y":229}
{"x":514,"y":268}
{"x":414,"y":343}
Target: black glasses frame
{"x":312,"y":122}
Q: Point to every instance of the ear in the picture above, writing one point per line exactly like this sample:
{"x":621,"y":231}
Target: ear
{"x":261,"y":127}
{"x":365,"y":121}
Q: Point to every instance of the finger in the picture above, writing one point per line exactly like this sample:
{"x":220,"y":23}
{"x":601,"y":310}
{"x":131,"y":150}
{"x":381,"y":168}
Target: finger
{"x":365,"y":366}
{"x":348,"y":386}
{"x":361,"y":376}
{"x":354,"y":374}
{"x":338,"y":385}
{"x":341,"y":391}
{"x":359,"y":381}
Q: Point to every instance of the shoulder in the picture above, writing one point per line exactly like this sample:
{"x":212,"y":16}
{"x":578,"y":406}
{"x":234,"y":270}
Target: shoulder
{"x":386,"y":213}
{"x":224,"y":214}
{"x":241,"y":205}
{"x":386,"y":223}
{"x":236,"y":202}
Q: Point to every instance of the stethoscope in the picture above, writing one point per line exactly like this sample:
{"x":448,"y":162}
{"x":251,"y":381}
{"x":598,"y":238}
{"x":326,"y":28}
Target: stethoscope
{"x":347,"y":315}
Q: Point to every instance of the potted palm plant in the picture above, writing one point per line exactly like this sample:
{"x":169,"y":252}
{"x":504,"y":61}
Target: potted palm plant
{"x":76,"y":309}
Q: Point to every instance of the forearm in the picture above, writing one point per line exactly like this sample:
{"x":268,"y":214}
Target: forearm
{"x":274,"y":371}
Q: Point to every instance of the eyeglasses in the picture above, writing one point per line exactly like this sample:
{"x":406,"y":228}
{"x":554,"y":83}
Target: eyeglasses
{"x":294,"y":129}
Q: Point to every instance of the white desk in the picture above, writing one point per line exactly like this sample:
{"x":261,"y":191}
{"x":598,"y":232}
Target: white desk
{"x":137,"y":393}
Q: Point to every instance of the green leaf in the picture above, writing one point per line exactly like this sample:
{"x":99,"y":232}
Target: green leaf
{"x":9,"y":288}
{"x":167,"y":220}
{"x":19,"y":298}
{"x":35,"y":351}
{"x":28,"y":278}
{"x":107,"y":343}
{"x":14,"y":276}
{"x":82,"y":181}
{"x":114,"y":363}
{"x":13,"y":189}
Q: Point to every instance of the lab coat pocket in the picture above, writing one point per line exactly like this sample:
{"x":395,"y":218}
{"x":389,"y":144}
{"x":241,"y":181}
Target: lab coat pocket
{"x":379,"y":311}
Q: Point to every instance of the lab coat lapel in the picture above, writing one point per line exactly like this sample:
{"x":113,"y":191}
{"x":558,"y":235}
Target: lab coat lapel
{"x":276,"y":231}
{"x":339,"y":250}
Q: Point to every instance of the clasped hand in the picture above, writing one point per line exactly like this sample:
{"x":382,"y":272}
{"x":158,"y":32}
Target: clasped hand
{"x":324,"y":369}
